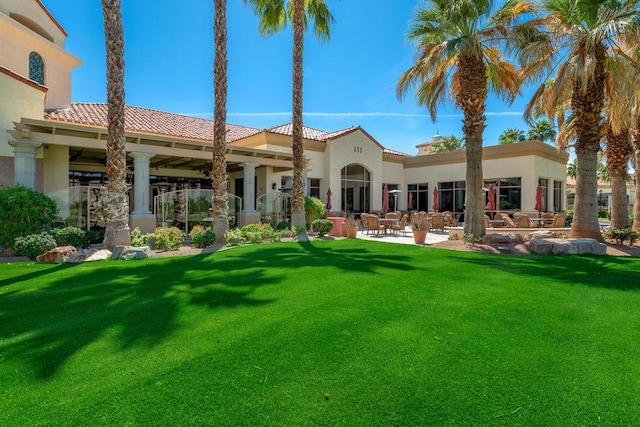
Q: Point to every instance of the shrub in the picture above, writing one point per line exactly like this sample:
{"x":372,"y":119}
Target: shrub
{"x":284,"y":225}
{"x":234,"y":237}
{"x":94,"y":236}
{"x":138,"y":239}
{"x":168,"y":239}
{"x":621,"y":235}
{"x":201,"y":237}
{"x":472,"y":240}
{"x":313,"y":209}
{"x":264,"y":229}
{"x":254,"y":236}
{"x":69,"y":236}
{"x":322,"y":226}
{"x":569,"y":218}
{"x":24,"y":212}
{"x":34,"y":244}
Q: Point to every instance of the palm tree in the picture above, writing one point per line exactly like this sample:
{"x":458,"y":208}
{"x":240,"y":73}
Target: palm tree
{"x":578,"y":42}
{"x":458,"y":56}
{"x":511,"y":135}
{"x":274,"y":15}
{"x":541,"y":130}
{"x":635,"y":141}
{"x":618,"y":151}
{"x":220,"y":206}
{"x":117,"y":230}
{"x":448,"y":144}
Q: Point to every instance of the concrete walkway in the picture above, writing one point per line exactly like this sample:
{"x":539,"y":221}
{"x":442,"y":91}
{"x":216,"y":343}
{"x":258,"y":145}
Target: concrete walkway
{"x":406,"y":238}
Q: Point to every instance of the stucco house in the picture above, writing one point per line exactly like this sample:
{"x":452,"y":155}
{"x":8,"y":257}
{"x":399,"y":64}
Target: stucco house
{"x":53,"y":145}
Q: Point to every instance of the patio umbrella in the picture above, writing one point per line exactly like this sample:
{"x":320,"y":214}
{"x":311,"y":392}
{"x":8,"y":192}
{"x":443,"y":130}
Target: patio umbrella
{"x":385,"y":198}
{"x":538,"y":206}
{"x":435,"y":199}
{"x":410,"y":204}
{"x":491,"y":204}
{"x":329,"y":199}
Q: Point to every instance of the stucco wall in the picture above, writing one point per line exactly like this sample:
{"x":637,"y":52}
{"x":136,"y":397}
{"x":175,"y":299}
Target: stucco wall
{"x":17,"y":42}
{"x":36,"y":15}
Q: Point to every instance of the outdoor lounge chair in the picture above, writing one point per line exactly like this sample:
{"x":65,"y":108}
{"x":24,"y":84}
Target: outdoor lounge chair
{"x":558,"y":221}
{"x":401,"y":226}
{"x":449,"y":221}
{"x":508,"y":222}
{"x":364,"y":220}
{"x":522,"y":220}
{"x":374,"y":224}
{"x":437,"y":222}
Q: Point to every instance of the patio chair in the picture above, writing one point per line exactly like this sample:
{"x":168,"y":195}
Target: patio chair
{"x":364,"y":220}
{"x":485,"y":222}
{"x":522,"y":220}
{"x":392,"y":215}
{"x":449,"y":221}
{"x":375,"y":225}
{"x":437,"y":222}
{"x":401,"y":226}
{"x":558,"y":221}
{"x":508,"y":222}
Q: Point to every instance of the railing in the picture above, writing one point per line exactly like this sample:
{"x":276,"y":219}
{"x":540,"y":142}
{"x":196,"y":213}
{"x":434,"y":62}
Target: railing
{"x":274,"y":207}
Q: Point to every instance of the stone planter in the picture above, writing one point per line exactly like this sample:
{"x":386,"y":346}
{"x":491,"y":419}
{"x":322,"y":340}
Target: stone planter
{"x":419,"y":236}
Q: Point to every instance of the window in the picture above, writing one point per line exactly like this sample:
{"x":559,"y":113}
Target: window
{"x":557,"y":196}
{"x":544,"y":183}
{"x":508,"y":192}
{"x":393,"y":196}
{"x":356,"y":181}
{"x":418,"y":196}
{"x":314,"y":187}
{"x":36,"y":68}
{"x":451,"y":197}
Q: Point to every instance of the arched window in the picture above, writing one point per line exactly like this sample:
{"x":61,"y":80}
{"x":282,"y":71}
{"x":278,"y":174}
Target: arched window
{"x":36,"y":68}
{"x":356,"y":182}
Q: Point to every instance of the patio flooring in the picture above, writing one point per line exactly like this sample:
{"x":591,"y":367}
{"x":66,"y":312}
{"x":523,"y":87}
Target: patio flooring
{"x":407,"y":239}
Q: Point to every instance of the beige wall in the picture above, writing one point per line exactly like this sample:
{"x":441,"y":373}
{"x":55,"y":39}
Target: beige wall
{"x":37,"y":19}
{"x":17,"y":42}
{"x":56,"y":168}
{"x":17,"y":99}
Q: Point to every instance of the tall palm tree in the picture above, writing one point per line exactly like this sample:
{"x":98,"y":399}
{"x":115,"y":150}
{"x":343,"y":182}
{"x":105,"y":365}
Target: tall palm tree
{"x":618,"y":152}
{"x":274,"y":15}
{"x":511,"y":135}
{"x":577,"y":41}
{"x":541,"y":130}
{"x":117,"y":215}
{"x":459,"y":47}
{"x":220,"y":206}
{"x":635,"y":141}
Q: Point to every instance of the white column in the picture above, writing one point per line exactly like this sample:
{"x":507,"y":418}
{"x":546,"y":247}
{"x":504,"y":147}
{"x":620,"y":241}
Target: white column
{"x":249,"y":189}
{"x":24,"y":163}
{"x":140,"y":183}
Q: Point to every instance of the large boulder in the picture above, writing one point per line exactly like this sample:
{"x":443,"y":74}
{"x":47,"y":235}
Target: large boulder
{"x":501,"y":239}
{"x":567,"y":246}
{"x":57,"y":255}
{"x":90,"y":255}
{"x":541,"y":234}
{"x":131,"y":252}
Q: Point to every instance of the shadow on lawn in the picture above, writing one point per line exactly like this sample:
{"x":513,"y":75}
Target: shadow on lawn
{"x":138,"y":303}
{"x":597,"y":271}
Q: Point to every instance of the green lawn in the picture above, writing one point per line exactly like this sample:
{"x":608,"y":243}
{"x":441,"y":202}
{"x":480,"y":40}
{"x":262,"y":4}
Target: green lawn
{"x":335,"y":333}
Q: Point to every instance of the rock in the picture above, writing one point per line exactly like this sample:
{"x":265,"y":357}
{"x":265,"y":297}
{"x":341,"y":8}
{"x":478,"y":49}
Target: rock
{"x":541,"y":234}
{"x":57,"y":255}
{"x":131,"y":252}
{"x":90,"y":255}
{"x":498,"y":239}
{"x":567,"y":246}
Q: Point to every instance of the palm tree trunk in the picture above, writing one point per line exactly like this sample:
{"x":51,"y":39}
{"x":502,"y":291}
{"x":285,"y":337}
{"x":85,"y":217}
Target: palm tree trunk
{"x":471,"y":99}
{"x":587,"y":104}
{"x":117,"y":216}
{"x":297,"y":202}
{"x":635,"y":141}
{"x":619,"y":152}
{"x":220,"y":210}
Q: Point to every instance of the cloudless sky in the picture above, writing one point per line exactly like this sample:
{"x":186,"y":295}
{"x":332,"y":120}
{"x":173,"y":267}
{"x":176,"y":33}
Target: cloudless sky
{"x":349,"y":80}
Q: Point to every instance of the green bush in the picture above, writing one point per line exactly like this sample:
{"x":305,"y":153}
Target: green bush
{"x":264,"y":229}
{"x":34,"y":244}
{"x":24,"y":212}
{"x":234,"y":237}
{"x":168,"y":239}
{"x":313,"y":209}
{"x":69,"y":236}
{"x":138,"y":239}
{"x":284,"y":225}
{"x":621,"y":235}
{"x":94,"y":236}
{"x":569,"y":219}
{"x":322,"y":226}
{"x":201,"y":237}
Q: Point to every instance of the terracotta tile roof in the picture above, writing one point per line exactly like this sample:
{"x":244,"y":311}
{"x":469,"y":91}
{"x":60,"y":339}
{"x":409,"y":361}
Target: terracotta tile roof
{"x":307,"y":132}
{"x":341,"y":132}
{"x":149,"y":121}
{"x":396,"y":153}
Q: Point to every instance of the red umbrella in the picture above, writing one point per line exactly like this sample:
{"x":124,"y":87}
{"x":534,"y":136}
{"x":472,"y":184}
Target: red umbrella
{"x":491,"y":204}
{"x":435,"y":199}
{"x":385,"y":198}
{"x":329,"y":199}
{"x":538,"y":206}
{"x":410,"y":204}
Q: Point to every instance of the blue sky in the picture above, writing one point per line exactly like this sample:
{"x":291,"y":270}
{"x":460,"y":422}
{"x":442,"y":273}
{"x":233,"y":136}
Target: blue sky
{"x":348,"y":81}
